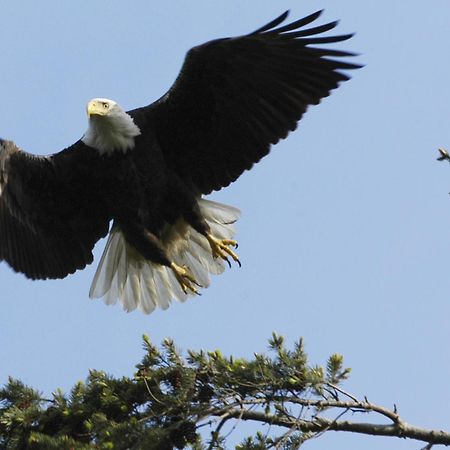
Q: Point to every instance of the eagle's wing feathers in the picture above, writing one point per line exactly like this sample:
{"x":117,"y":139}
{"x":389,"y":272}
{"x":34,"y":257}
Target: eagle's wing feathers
{"x":48,"y":226}
{"x":234,"y":97}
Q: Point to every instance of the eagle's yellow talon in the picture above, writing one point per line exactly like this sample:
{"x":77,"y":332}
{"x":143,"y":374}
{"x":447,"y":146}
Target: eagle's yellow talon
{"x":187,"y":281}
{"x":221,"y":248}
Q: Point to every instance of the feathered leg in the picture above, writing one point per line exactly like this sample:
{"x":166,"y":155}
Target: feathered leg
{"x":151,"y":247}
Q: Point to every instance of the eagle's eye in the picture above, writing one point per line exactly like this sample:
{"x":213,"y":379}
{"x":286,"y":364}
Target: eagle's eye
{"x":105,"y":105}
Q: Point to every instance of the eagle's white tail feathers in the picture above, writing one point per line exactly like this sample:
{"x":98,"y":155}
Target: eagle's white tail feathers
{"x":124,"y":275}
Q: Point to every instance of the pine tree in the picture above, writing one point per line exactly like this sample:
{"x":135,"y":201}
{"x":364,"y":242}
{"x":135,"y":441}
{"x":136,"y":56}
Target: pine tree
{"x":176,"y":401}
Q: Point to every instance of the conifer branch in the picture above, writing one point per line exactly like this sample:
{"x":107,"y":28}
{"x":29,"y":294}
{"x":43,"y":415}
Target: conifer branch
{"x":399,"y":429}
{"x":172,"y":401}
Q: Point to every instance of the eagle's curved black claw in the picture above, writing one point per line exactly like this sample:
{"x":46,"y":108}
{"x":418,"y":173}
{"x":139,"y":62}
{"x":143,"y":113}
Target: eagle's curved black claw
{"x":221,"y":249}
{"x":197,"y":283}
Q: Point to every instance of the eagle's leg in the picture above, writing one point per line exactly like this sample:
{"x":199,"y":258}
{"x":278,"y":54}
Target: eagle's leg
{"x":151,"y":247}
{"x":221,"y":248}
{"x":185,"y":278}
{"x":191,"y":213}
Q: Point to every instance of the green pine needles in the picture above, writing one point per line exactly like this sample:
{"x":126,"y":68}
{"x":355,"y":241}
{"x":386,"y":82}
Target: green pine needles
{"x":173,"y":401}
{"x":198,"y":400}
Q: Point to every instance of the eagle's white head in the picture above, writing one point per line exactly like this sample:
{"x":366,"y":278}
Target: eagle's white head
{"x":110,"y":127}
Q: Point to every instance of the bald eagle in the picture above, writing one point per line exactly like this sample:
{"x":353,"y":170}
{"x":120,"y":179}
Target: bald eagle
{"x":147,"y":170}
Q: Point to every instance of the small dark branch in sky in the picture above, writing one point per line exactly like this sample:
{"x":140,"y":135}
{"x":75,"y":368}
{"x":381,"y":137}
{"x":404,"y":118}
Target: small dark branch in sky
{"x":338,"y":389}
{"x":427,"y":447}
{"x":444,"y":155}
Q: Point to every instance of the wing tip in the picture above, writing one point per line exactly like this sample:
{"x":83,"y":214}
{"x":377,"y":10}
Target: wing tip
{"x":272,"y":24}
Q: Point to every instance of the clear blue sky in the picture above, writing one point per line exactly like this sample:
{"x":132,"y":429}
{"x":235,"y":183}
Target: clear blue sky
{"x":344,"y":235}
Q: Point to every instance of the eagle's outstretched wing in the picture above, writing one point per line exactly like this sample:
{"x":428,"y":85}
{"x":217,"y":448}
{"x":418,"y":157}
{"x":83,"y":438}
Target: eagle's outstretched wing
{"x":50,"y":218}
{"x":234,"y":97}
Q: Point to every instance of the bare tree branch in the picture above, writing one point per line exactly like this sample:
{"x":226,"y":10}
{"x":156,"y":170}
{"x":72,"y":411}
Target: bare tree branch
{"x":399,"y":428}
{"x":444,"y":155}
